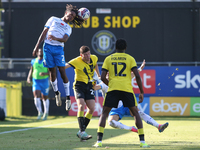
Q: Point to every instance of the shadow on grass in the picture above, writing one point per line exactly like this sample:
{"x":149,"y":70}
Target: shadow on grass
{"x":52,"y":138}
{"x":65,"y":138}
{"x":26,"y":119}
{"x":168,"y":118}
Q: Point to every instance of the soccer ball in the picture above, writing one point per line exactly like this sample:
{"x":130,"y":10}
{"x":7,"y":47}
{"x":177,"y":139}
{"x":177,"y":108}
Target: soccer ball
{"x":84,"y":13}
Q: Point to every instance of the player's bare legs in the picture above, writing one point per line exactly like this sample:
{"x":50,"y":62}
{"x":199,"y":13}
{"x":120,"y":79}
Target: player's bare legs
{"x":52,"y":73}
{"x":90,"y":106}
{"x":113,"y":121}
{"x":80,"y":114}
{"x":138,"y":121}
{"x":54,"y":83}
{"x":83,"y":121}
{"x":63,"y":74}
{"x":90,"y":110}
{"x":66,"y":87}
{"x":104,"y":115}
{"x":102,"y":124}
{"x":113,"y":117}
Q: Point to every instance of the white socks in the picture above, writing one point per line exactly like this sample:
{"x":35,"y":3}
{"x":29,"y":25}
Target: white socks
{"x":54,"y":85}
{"x":66,"y":86}
{"x":38,"y":105}
{"x":148,"y":119}
{"x":119,"y":125}
{"x":46,"y":106}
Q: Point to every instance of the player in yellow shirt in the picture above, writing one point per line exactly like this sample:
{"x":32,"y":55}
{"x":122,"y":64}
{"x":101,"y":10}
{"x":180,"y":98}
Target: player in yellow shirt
{"x":119,"y":65}
{"x":84,"y":67}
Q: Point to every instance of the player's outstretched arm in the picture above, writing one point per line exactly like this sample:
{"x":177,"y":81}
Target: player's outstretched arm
{"x":97,"y":87}
{"x":67,"y":65}
{"x":40,"y":40}
{"x":139,"y":69}
{"x":29,"y":75}
{"x":142,"y":66}
{"x":139,"y":83}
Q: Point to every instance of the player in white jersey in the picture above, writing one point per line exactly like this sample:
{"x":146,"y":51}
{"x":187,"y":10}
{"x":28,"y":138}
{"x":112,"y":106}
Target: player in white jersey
{"x":56,"y":32}
{"x":118,"y":113}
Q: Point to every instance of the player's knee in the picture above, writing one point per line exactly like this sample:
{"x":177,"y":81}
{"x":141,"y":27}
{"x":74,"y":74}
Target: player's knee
{"x":141,"y":113}
{"x":91,"y":110}
{"x":81,"y":107}
{"x":111,"y":123}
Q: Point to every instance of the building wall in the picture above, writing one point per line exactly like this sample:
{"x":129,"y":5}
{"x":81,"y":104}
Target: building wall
{"x":156,"y":31}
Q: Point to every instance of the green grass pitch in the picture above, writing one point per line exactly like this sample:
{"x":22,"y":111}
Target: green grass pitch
{"x":59,"y":133}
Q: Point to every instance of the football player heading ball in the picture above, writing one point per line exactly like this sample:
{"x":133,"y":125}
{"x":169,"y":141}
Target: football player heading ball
{"x":84,"y":13}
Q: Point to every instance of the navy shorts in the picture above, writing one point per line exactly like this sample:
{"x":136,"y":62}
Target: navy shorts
{"x":112,"y":99}
{"x":83,"y":90}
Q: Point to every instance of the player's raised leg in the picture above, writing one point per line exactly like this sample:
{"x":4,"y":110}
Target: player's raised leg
{"x":115,"y":115}
{"x":148,"y":119}
{"x":66,"y":85}
{"x":54,"y":83}
{"x":162,"y":127}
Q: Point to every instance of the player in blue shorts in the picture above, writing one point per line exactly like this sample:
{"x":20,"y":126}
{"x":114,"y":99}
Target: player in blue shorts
{"x":56,"y":32}
{"x":116,"y":114}
{"x":40,"y":86}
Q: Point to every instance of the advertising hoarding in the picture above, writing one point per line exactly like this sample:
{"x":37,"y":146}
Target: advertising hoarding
{"x":168,"y":91}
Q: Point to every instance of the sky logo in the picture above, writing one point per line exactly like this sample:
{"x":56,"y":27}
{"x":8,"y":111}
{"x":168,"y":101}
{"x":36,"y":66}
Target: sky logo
{"x":187,"y":81}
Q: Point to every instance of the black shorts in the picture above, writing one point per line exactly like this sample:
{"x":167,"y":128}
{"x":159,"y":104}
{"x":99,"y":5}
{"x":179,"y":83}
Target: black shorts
{"x":83,"y":90}
{"x":112,"y":99}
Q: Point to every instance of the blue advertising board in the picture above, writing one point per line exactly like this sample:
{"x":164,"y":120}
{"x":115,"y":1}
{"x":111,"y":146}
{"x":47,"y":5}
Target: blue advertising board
{"x":182,"y":81}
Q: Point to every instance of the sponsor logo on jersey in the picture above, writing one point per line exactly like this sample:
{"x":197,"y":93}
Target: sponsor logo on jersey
{"x":103,"y":42}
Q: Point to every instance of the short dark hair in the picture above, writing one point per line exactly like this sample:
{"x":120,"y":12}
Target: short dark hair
{"x":84,"y":49}
{"x":121,"y":44}
{"x":77,"y":20}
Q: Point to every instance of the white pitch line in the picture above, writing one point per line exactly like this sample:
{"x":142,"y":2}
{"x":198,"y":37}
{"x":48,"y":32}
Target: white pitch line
{"x":37,"y":127}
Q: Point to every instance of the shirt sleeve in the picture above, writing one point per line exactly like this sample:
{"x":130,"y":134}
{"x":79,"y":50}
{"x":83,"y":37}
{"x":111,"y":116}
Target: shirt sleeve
{"x":69,"y":31}
{"x":49,"y":22}
{"x":73,"y":62}
{"x":32,"y":62}
{"x":105,"y":66}
{"x":133,"y":63}
{"x":95,"y":59}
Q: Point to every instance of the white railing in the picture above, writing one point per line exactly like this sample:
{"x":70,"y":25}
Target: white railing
{"x":10,"y":63}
